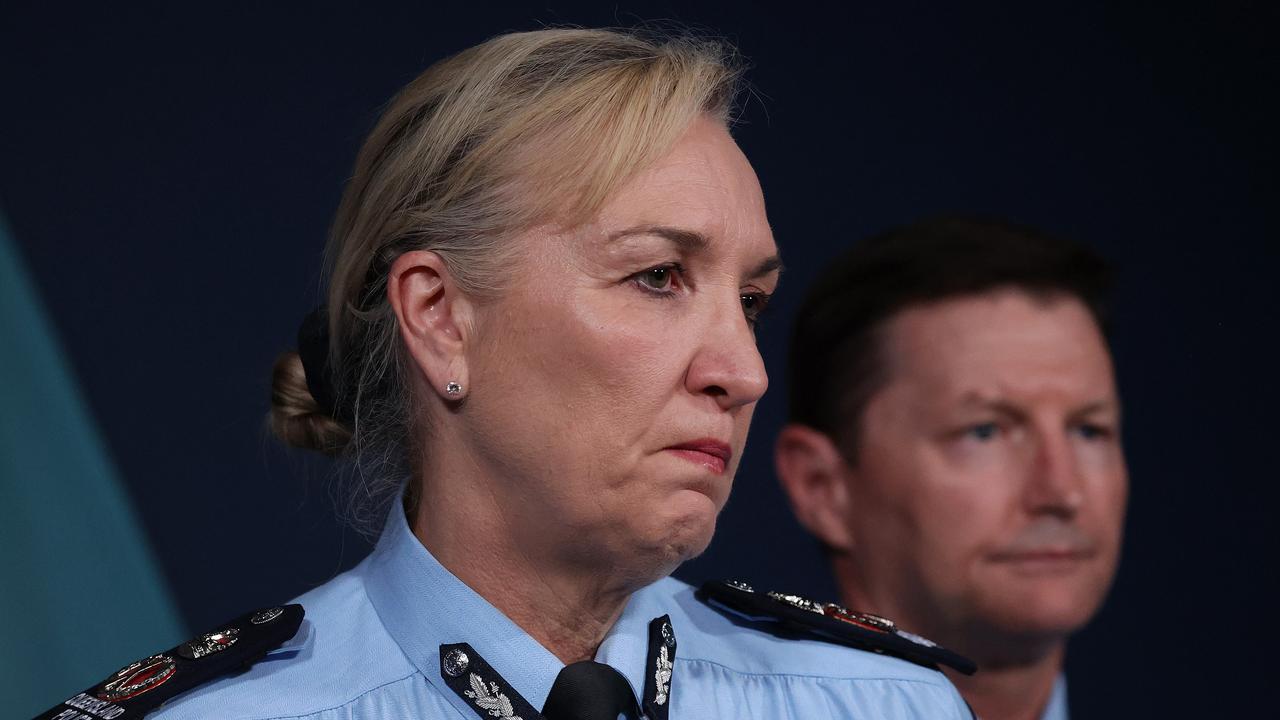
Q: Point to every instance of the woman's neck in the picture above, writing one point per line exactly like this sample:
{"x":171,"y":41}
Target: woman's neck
{"x":566,"y":608}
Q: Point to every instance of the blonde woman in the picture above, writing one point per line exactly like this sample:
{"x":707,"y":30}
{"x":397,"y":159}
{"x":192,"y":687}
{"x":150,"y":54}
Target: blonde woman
{"x":544,"y":279}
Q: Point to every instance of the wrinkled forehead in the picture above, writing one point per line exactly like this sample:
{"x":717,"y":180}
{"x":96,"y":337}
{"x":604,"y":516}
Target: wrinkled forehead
{"x":704,"y":185}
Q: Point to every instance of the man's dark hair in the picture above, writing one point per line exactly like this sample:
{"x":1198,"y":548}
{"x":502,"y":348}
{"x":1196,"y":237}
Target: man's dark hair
{"x":836,"y":364}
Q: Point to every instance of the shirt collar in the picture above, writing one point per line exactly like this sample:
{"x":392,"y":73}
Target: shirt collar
{"x":423,"y":605}
{"x":1057,"y":707}
{"x":626,"y":646}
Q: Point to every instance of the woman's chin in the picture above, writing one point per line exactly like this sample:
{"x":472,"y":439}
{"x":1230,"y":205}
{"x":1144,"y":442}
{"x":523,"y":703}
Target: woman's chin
{"x":689,"y":528}
{"x":655,"y":543}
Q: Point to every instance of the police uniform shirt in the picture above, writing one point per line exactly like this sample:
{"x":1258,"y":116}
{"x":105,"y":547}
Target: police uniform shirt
{"x":371,"y":648}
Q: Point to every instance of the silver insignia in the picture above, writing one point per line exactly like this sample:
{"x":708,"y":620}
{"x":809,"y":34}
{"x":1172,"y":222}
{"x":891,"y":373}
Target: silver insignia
{"x":739,"y":585}
{"x":798,"y":601}
{"x":662,"y":676}
{"x":490,"y":699}
{"x":456,"y":663}
{"x":668,"y":635}
{"x":266,"y":616}
{"x":209,"y":644}
{"x":881,"y":622}
{"x":137,"y":678}
{"x":916,"y":638}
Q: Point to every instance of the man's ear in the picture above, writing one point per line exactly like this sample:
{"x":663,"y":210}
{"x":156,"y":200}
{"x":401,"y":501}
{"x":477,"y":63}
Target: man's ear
{"x":434,"y":319}
{"x":815,"y":476}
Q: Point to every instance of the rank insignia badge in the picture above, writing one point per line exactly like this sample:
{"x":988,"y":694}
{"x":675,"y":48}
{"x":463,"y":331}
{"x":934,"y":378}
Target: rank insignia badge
{"x":828,"y":621}
{"x":140,"y":687}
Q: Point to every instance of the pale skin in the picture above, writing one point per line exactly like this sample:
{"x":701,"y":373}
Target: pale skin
{"x":985,"y":506}
{"x":554,"y":488}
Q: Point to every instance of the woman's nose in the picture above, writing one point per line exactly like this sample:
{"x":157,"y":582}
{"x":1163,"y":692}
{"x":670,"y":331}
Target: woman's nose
{"x":726,"y":363}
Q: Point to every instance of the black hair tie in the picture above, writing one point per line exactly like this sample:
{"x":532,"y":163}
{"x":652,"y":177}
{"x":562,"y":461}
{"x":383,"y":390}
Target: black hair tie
{"x":313,"y":349}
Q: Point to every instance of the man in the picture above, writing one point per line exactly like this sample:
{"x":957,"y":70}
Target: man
{"x":955,"y":445}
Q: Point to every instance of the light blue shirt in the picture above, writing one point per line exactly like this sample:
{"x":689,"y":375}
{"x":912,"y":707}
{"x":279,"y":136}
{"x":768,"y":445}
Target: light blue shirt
{"x":370,"y":649}
{"x":1057,"y":707}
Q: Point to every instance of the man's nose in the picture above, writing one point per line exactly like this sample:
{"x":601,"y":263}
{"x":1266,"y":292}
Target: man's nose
{"x":1054,"y":485}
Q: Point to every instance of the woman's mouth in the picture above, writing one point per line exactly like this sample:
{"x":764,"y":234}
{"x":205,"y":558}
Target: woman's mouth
{"x":707,"y":452}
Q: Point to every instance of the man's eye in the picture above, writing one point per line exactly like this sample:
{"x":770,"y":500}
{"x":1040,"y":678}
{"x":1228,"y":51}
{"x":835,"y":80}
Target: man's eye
{"x":983,"y":431}
{"x":1093,"y":432}
{"x":753,"y":305}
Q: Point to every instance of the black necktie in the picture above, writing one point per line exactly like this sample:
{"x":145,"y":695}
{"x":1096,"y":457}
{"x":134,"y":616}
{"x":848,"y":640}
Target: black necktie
{"x":589,"y":690}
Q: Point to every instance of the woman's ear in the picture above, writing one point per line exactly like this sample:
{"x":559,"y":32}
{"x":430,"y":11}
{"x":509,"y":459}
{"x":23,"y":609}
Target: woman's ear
{"x":434,"y":319}
{"x":816,"y":478}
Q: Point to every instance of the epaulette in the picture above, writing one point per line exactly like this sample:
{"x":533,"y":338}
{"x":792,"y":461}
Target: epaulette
{"x":140,"y":687}
{"x":829,"y":622}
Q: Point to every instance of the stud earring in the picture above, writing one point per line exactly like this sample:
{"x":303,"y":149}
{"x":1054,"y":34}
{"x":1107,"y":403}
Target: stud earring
{"x":453,"y":388}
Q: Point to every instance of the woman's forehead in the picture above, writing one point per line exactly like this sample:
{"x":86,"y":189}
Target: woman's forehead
{"x":703,"y":195}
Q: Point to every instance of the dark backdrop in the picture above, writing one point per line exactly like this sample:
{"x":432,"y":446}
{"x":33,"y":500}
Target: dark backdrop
{"x":170,"y":173}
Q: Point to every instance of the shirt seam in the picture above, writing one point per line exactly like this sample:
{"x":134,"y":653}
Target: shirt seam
{"x":807,"y":676}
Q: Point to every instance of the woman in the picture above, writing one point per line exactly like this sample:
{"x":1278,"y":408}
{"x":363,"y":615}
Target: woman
{"x":544,"y":278}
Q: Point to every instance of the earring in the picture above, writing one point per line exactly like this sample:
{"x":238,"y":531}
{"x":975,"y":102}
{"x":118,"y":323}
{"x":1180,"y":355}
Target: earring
{"x":453,"y":387}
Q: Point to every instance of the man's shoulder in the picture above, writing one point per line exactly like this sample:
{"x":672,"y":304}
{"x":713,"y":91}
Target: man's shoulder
{"x":340,"y":654}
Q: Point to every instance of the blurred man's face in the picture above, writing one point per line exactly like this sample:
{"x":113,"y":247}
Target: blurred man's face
{"x":989,"y":490}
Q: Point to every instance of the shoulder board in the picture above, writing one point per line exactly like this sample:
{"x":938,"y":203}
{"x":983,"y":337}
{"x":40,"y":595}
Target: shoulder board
{"x":829,"y":622}
{"x":140,"y":687}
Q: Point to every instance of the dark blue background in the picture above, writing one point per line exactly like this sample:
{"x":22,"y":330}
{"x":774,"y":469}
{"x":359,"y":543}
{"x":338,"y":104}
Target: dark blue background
{"x":170,"y":174}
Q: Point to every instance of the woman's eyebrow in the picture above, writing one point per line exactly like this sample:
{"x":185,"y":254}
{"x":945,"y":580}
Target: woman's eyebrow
{"x":692,"y":241}
{"x":687,"y":240}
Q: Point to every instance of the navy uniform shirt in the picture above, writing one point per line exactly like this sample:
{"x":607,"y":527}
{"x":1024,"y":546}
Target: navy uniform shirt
{"x":370,"y":648}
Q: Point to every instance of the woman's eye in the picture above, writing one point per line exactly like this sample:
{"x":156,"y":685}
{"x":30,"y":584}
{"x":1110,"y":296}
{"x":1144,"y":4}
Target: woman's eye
{"x":662,"y":279}
{"x":753,"y":305}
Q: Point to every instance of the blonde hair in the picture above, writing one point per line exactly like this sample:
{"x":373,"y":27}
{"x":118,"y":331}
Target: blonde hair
{"x":522,"y":129}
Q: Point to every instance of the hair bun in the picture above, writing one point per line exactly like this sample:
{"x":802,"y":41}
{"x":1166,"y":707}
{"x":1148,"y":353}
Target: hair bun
{"x":296,"y":417}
